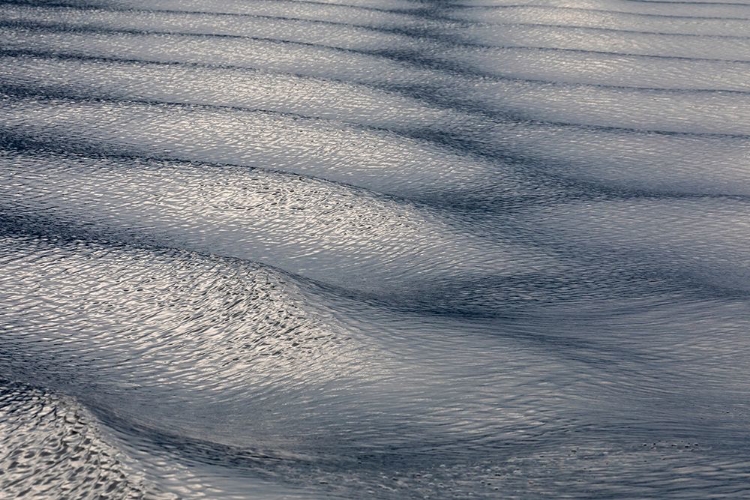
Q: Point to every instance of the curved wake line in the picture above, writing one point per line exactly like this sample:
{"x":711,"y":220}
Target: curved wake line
{"x":419,"y":135}
{"x":413,"y":33}
{"x":94,"y":6}
{"x":416,"y":14}
{"x":61,"y":234}
{"x":418,"y":94}
{"x":12,"y":141}
{"x":615,"y":30}
{"x":409,"y":56}
{"x":604,"y":11}
{"x":688,"y":2}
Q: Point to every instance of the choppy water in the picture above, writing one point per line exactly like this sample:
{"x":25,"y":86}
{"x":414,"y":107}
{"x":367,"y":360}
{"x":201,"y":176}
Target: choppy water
{"x":374,"y":249}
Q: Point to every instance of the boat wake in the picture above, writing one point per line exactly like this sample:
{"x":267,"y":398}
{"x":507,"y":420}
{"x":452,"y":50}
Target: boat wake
{"x":377,"y":249}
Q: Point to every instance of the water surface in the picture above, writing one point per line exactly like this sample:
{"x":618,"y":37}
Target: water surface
{"x":374,"y":249}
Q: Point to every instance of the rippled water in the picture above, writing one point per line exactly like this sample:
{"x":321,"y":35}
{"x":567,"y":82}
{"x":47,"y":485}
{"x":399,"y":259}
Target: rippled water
{"x":374,"y":249}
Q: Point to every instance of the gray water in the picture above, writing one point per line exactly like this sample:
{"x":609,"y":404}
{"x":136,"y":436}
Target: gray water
{"x":384,"y":249}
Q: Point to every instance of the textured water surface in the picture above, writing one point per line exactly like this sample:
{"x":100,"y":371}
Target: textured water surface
{"x":388,"y":249}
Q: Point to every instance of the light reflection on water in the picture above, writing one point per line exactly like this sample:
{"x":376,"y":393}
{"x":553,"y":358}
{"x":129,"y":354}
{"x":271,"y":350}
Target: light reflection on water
{"x":388,"y":249}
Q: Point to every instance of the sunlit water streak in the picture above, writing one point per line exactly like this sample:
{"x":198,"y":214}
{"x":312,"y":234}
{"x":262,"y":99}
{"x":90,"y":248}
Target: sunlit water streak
{"x":375,"y":249}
